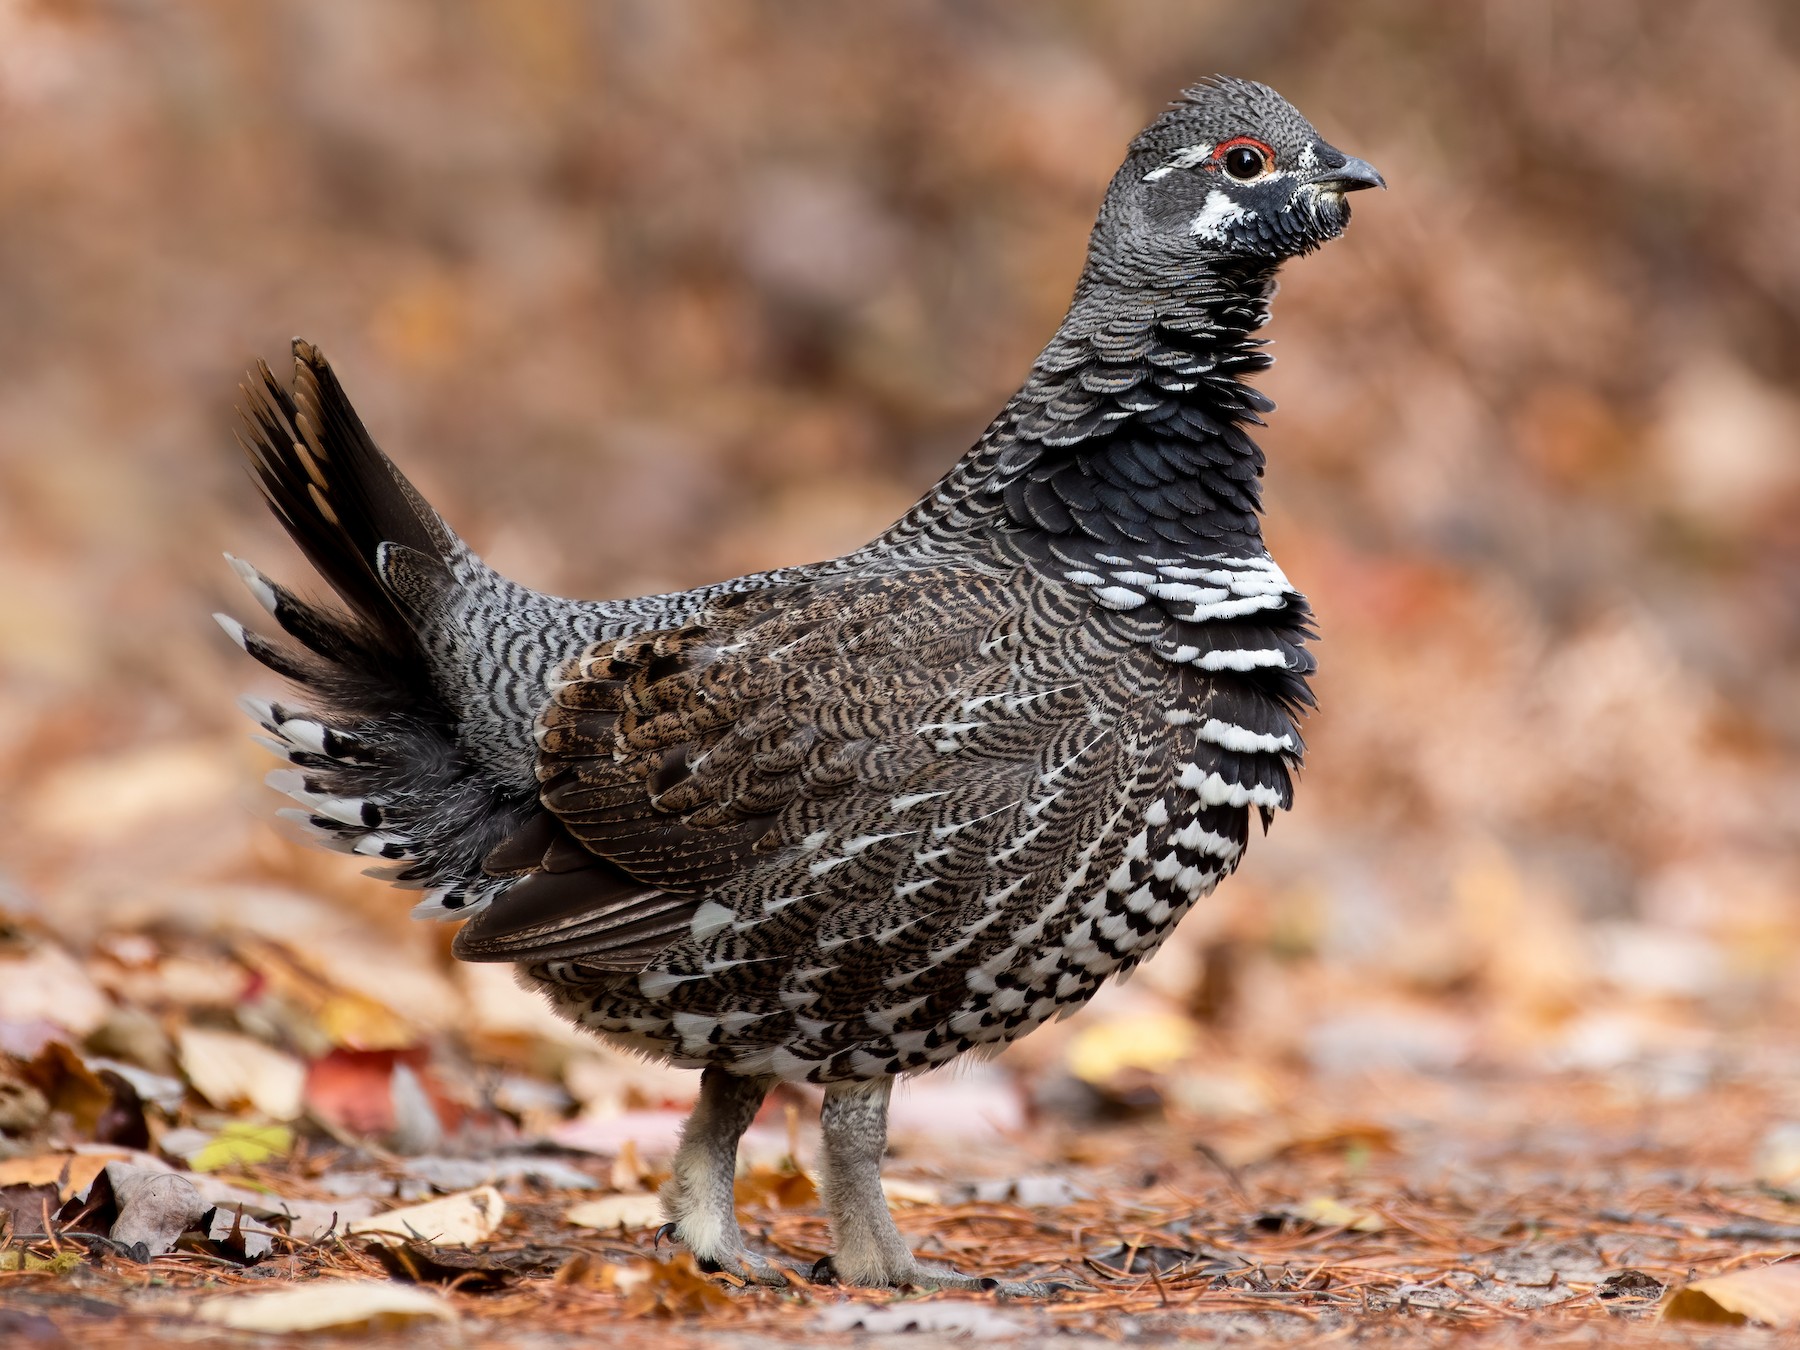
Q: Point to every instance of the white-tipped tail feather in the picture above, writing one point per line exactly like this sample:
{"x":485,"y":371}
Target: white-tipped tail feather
{"x":259,"y":586}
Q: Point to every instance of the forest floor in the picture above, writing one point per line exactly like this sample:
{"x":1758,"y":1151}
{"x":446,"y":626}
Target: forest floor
{"x":1179,"y":1183}
{"x":1490,"y":1042}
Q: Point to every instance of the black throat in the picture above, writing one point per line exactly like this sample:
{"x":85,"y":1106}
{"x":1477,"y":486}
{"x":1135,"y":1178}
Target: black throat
{"x":1123,"y":469}
{"x":1129,"y":434}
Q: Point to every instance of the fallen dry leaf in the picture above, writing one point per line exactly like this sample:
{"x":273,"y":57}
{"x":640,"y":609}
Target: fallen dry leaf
{"x":25,"y":1207}
{"x":67,"y":1083}
{"x":779,"y":1188}
{"x":72,"y":1172}
{"x":1766,"y":1294}
{"x":1148,"y":1041}
{"x":610,"y":1213}
{"x":47,"y":984}
{"x":1278,"y":1141}
{"x":628,"y":1170}
{"x":470,"y":1271}
{"x":326,"y":1305}
{"x":242,"y":1143}
{"x":348,"y":1018}
{"x":464,"y":1174}
{"x":231,"y":1070}
{"x":155,"y":1208}
{"x":671,"y":1288}
{"x":354,"y":1090}
{"x":452,"y":1221}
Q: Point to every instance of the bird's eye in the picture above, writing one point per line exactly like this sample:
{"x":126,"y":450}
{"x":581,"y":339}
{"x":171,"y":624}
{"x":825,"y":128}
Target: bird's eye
{"x":1244,"y":162}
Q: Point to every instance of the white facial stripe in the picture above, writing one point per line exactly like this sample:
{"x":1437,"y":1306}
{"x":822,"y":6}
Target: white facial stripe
{"x":1219,"y":213}
{"x":1182,"y":159}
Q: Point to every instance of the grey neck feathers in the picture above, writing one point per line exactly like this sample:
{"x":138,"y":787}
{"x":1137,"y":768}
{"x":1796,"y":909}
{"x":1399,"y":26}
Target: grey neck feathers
{"x":1128,"y":436}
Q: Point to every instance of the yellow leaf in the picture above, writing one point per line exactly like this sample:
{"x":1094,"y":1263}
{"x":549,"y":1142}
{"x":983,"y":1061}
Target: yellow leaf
{"x":242,"y":1144}
{"x":459,"y":1220}
{"x":1329,"y":1213}
{"x":325,"y":1305}
{"x":1150,"y":1041}
{"x":1766,"y":1294}
{"x":363,"y":1024}
{"x":637,"y":1209}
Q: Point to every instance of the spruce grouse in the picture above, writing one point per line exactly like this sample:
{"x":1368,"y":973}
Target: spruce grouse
{"x":848,"y":821}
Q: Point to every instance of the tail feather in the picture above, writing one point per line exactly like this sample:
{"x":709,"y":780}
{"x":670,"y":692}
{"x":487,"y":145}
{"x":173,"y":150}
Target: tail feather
{"x":378,"y":768}
{"x":338,"y":495}
{"x":262,"y":650}
{"x":335,"y":637}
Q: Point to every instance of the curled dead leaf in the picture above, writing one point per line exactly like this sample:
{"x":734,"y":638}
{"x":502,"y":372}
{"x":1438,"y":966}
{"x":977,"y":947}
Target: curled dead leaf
{"x":1769,"y":1295}
{"x":459,"y":1220}
{"x":613,"y":1213}
{"x":155,"y":1207}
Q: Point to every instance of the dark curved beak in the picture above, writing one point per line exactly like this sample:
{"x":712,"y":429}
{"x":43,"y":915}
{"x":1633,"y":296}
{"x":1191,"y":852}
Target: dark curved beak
{"x":1351,"y":176}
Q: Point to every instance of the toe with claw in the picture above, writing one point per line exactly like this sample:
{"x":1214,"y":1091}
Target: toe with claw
{"x":932,"y":1276}
{"x":748,"y":1266}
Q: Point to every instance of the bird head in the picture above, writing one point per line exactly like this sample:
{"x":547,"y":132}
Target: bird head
{"x":1231,"y":171}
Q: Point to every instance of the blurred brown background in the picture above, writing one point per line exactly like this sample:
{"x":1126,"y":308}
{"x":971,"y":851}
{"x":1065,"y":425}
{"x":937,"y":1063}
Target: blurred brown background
{"x":646,"y":294}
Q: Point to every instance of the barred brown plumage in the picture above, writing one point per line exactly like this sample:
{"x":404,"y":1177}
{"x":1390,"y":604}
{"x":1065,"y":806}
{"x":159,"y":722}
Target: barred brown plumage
{"x":848,"y":821}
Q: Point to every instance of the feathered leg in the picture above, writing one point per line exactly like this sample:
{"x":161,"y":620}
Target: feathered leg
{"x":698,"y":1199}
{"x":870,"y":1250}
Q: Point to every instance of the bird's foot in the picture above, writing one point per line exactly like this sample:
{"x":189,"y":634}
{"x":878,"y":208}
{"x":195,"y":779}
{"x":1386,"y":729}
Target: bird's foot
{"x":932,"y":1276}
{"x":739,"y":1261}
{"x":750,"y":1267}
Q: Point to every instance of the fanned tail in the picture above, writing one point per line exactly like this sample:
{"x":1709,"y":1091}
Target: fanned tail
{"x":378,"y":769}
